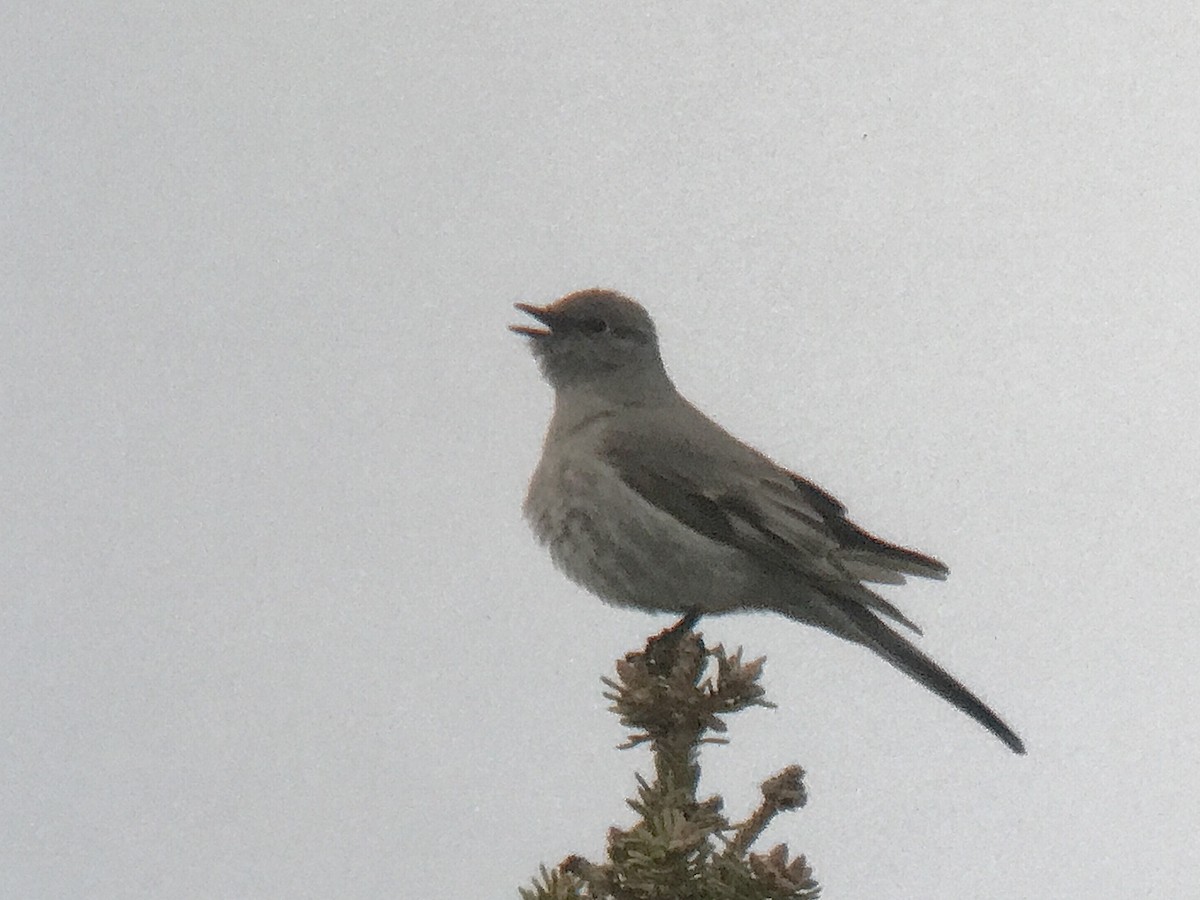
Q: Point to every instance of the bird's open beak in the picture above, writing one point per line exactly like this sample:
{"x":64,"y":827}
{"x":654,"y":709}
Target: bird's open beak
{"x":542,"y":314}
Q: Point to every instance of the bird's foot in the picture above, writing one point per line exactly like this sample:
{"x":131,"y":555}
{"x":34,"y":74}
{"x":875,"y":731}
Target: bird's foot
{"x":661,"y":650}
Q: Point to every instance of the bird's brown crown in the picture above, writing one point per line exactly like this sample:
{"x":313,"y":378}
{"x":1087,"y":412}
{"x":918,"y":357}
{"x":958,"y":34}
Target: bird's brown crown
{"x":618,"y":312}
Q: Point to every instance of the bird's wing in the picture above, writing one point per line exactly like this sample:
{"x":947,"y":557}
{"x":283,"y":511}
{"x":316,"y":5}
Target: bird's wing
{"x":872,"y":558}
{"x":755,"y":507}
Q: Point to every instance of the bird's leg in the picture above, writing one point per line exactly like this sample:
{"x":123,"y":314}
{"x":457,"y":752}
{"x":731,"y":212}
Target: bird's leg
{"x":661,"y":648}
{"x":684,"y":625}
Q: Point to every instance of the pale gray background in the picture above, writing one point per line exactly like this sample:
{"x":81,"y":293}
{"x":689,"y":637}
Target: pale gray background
{"x":271,"y":624}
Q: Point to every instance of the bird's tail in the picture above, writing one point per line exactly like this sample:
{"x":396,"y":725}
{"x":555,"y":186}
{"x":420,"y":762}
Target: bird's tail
{"x":873,"y":633}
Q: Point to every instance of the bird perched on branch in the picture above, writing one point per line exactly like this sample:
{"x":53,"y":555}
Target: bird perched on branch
{"x":647,"y":502}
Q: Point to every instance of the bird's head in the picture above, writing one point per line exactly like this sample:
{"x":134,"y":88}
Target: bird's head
{"x":594,"y":338}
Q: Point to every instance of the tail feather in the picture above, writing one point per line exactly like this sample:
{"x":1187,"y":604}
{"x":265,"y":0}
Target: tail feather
{"x":908,"y":659}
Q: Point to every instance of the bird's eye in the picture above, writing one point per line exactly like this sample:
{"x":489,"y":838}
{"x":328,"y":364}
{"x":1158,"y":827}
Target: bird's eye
{"x":593,"y":326}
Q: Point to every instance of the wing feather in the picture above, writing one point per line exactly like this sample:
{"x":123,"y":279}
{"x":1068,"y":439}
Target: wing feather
{"x":792,"y":523}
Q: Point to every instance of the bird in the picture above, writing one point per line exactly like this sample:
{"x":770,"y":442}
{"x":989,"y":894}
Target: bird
{"x":646,"y":502}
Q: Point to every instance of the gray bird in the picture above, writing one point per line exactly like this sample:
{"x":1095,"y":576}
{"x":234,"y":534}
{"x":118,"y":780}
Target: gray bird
{"x":646,"y":502}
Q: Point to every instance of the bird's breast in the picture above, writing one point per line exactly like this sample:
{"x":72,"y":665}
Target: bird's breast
{"x":606,"y":537}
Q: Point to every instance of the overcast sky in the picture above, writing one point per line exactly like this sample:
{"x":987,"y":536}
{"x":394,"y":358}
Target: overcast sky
{"x":271,"y":625}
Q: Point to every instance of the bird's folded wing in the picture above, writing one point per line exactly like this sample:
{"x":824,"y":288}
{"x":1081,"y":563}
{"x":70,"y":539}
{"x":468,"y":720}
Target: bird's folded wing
{"x":869,"y":557}
{"x":763,"y":510}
